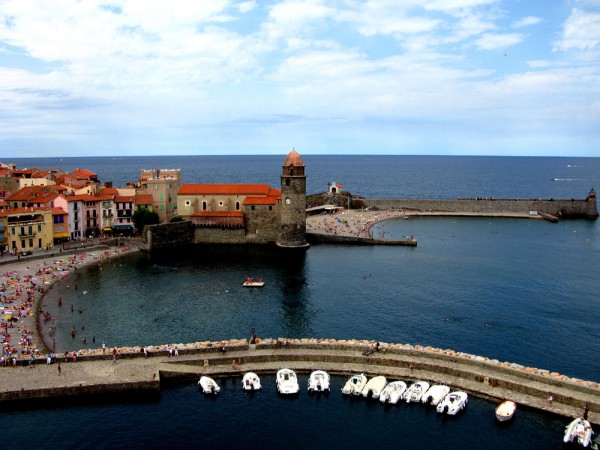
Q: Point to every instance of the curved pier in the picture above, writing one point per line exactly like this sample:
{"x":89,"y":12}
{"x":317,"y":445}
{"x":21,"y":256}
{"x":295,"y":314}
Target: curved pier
{"x":95,"y":373}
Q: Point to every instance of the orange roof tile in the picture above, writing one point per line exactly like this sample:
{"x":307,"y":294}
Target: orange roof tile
{"x":59,"y":212}
{"x":218,"y":214}
{"x":224,"y":189}
{"x":144,"y":199}
{"x":18,"y":211}
{"x":293,"y":159}
{"x":124,"y":198}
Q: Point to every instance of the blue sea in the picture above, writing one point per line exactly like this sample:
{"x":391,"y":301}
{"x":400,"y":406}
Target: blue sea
{"x":516,"y":290}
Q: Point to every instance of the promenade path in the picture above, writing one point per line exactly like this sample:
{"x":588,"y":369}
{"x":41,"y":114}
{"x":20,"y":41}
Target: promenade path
{"x":96,"y":373}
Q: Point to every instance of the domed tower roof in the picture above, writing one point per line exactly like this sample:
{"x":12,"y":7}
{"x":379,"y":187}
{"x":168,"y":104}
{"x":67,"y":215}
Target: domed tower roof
{"x":293,"y":159}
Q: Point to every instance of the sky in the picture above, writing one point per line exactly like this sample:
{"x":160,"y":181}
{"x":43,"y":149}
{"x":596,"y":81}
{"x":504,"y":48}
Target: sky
{"x":198,"y":77}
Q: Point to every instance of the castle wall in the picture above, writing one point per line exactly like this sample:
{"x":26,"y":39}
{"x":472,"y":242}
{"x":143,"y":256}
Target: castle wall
{"x":565,"y":208}
{"x":168,"y":235}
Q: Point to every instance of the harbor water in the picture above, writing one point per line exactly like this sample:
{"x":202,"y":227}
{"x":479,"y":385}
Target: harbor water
{"x":515,"y":290}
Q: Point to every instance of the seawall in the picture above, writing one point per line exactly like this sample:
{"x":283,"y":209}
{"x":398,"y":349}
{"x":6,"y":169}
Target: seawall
{"x":570,"y":208}
{"x":94,"y":373}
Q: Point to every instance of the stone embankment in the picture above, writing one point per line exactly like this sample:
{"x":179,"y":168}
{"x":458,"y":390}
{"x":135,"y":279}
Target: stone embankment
{"x":95,"y":373}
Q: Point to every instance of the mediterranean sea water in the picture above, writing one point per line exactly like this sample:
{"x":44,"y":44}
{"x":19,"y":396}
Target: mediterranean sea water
{"x":522,"y":291}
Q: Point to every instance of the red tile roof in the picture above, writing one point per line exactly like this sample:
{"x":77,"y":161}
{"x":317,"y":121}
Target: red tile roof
{"x":124,"y":198}
{"x":144,"y":199}
{"x":59,"y":212}
{"x":224,"y":189}
{"x":218,"y":214}
{"x":20,"y":211}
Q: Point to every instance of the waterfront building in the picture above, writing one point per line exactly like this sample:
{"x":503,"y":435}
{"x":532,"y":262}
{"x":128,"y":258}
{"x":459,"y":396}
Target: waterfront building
{"x":60,"y":225}
{"x":123,"y":221}
{"x":163,"y":185}
{"x":29,"y":228}
{"x":292,"y":230}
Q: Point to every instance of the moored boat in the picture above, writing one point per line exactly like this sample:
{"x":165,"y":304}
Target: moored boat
{"x":392,"y":392}
{"x":208,"y":385}
{"x":287,"y":382}
{"x":355,"y":385}
{"x":415,"y":391}
{"x":374,"y":387}
{"x":505,"y":410}
{"x":435,"y":394}
{"x":318,"y":381}
{"x":251,"y":282}
{"x":579,"y":429}
{"x":453,"y":403}
{"x":251,"y":382}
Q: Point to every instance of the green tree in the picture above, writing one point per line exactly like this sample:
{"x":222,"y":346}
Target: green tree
{"x":142,"y":216}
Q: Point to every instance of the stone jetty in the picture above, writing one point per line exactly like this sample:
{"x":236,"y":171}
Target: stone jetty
{"x":134,"y":370}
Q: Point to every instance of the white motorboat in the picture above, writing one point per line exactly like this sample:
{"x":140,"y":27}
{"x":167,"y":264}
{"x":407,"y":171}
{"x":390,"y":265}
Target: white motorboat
{"x":374,"y":387}
{"x":435,"y":394}
{"x":505,"y":410}
{"x":251,"y":382}
{"x":318,"y":381}
{"x":287,"y":382}
{"x":453,"y":403}
{"x":579,"y":429}
{"x":208,"y":385}
{"x":355,"y":385}
{"x":415,"y":391}
{"x":392,"y":392}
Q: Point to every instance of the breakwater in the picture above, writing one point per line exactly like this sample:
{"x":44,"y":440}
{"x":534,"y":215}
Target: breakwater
{"x":94,"y":372}
{"x":568,"y":208}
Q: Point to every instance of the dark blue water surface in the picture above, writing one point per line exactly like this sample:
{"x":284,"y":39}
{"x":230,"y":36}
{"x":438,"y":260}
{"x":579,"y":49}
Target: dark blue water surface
{"x":517,"y":290}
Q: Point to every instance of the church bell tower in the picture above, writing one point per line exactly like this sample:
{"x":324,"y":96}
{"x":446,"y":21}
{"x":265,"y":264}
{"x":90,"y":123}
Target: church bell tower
{"x":292,"y":232}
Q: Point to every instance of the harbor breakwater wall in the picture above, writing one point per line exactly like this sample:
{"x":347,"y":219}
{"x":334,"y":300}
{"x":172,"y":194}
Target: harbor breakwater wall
{"x":94,"y":372}
{"x":570,"y":208}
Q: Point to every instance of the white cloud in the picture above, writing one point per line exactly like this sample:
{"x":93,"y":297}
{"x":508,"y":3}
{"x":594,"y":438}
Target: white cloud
{"x":526,"y":21}
{"x":448,"y":5}
{"x":539,"y":63}
{"x":581,"y":31}
{"x":489,"y":41}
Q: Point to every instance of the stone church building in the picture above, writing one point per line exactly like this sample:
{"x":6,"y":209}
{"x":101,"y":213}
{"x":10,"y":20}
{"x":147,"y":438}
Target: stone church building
{"x":242,"y":213}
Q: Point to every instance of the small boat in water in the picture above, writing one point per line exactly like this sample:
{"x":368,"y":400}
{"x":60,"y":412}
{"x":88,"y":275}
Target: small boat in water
{"x":355,"y":385}
{"x":251,"y":282}
{"x":580,"y":430}
{"x":208,"y":385}
{"x":318,"y":381}
{"x":374,"y":387}
{"x":392,"y":392}
{"x":506,"y":410}
{"x":251,"y":382}
{"x":453,"y":403}
{"x":416,"y":391}
{"x":287,"y":382}
{"x":435,"y":394}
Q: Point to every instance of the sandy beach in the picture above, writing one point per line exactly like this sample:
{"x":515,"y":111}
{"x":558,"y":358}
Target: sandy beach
{"x":24,"y":282}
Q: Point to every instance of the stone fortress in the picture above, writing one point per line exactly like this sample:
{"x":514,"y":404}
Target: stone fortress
{"x":260,"y":214}
{"x":239,"y":213}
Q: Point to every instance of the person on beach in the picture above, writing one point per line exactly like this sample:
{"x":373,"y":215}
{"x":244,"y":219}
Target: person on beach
{"x":114,"y":352}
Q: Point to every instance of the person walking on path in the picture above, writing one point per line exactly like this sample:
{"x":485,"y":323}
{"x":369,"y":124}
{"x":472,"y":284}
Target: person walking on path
{"x":59,"y":369}
{"x":114,"y":352}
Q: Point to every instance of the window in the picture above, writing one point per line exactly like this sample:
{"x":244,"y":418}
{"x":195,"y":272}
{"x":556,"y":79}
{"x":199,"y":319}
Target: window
{"x":39,"y":228}
{"x":203,"y":206}
{"x":287,"y":181}
{"x":237,"y":206}
{"x":188,"y":203}
{"x":160,"y":196}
